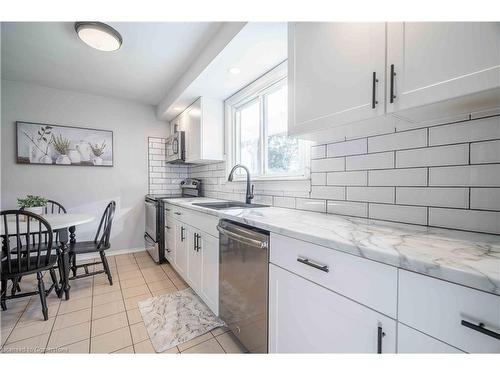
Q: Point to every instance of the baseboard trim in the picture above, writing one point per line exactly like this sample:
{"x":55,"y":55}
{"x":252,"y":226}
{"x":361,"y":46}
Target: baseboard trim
{"x":112,"y":253}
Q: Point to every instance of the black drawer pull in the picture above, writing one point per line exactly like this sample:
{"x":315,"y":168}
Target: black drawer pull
{"x":393,"y":74}
{"x":177,"y":213}
{"x":374,"y":89}
{"x":167,"y":209}
{"x":380,"y":336}
{"x":310,"y":263}
{"x":480,"y":328}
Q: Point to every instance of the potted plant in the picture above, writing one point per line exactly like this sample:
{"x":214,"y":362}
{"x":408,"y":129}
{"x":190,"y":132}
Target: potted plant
{"x":62,"y":146}
{"x":32,"y":203}
{"x":97,"y":150}
{"x":39,"y":145}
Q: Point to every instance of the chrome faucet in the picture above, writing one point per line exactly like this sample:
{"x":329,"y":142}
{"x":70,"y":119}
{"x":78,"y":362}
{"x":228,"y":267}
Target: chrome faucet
{"x":249,"y":194}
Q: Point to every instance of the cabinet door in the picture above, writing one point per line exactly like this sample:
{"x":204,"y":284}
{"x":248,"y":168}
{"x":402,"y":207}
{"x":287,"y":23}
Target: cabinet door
{"x":169,"y":239}
{"x":436,"y":61}
{"x":181,"y":247}
{"x":330,"y":73}
{"x":210,"y":271}
{"x":307,"y":318}
{"x":194,"y":261}
{"x":193,"y":131}
{"x":412,"y":341}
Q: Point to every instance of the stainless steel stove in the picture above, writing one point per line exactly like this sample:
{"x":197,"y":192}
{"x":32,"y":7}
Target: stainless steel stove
{"x":154,"y":234}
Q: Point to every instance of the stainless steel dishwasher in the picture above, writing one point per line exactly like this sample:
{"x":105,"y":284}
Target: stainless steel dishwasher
{"x":243,"y":283}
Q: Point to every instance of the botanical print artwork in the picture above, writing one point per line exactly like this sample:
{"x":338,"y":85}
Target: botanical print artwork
{"x":63,"y":145}
{"x":175,"y":318}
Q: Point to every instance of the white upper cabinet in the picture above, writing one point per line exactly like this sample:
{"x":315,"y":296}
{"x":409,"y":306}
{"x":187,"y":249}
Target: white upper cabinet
{"x":203,"y":124}
{"x":436,"y":61}
{"x":331,"y":68}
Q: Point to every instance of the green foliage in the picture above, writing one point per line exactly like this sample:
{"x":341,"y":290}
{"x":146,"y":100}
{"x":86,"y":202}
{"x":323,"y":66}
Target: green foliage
{"x":98,"y":150}
{"x":32,"y":201}
{"x":282,"y":152}
{"x":62,"y":144}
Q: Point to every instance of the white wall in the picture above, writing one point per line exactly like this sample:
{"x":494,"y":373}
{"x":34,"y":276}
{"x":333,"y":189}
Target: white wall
{"x":82,"y":189}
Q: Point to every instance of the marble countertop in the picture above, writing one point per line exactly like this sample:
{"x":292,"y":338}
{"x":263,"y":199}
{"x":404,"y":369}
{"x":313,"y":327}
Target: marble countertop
{"x":465,"y":258}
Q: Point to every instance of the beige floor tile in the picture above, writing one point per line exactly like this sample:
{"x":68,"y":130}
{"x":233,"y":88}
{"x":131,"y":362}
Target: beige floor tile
{"x":111,"y":342}
{"x":139,"y":332}
{"x":106,"y":288}
{"x":134,"y":316}
{"x":219,"y":331}
{"x":74,"y":305}
{"x":230,"y":343}
{"x":71,"y":319}
{"x":156,"y":276}
{"x":180,"y":284}
{"x":162,"y":292}
{"x":144,"y":347}
{"x":207,"y":347}
{"x":30,"y":330}
{"x":103,"y":299}
{"x":129,"y":275}
{"x":69,"y":335}
{"x":195,"y":341}
{"x":146,"y":265}
{"x":4,"y":334}
{"x":102,"y":279}
{"x":35,"y":344}
{"x":34,"y":312}
{"x":171,"y":273}
{"x":131,"y":303}
{"x":127,"y":350}
{"x":108,"y":309}
{"x":109,"y":323}
{"x":9,"y":318}
{"x":135,"y":291}
{"x":162,"y":284}
{"x":80,"y":347}
{"x":127,"y":267}
{"x":80,"y":292}
{"x":132,"y":282}
{"x":173,"y":350}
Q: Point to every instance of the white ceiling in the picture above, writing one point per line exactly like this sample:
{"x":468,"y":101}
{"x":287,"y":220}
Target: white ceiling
{"x":153,"y":56}
{"x":256,"y":49}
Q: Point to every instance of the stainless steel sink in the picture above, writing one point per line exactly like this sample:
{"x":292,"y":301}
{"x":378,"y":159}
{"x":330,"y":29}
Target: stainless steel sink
{"x":228,"y":205}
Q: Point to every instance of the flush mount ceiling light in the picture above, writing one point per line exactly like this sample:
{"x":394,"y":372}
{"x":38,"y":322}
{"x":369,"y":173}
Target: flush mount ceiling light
{"x":234,"y":70}
{"x":98,"y":35}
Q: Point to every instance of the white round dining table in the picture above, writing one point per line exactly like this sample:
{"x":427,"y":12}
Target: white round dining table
{"x":60,"y":224}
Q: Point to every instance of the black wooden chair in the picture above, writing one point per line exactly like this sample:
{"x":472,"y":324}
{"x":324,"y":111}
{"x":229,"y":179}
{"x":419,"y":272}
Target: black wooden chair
{"x":31,"y":255}
{"x":100,"y":244}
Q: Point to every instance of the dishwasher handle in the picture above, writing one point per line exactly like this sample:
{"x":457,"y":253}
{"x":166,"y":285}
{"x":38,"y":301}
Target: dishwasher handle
{"x":243,"y":239}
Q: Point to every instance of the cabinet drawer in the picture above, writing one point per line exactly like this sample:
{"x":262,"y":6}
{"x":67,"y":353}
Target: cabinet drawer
{"x":204,"y":222}
{"x":438,"y":308}
{"x":169,"y":208}
{"x":412,"y":341}
{"x":370,"y":283}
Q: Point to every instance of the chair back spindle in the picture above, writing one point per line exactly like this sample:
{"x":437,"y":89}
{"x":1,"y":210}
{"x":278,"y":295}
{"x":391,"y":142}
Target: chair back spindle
{"x":104,"y":231}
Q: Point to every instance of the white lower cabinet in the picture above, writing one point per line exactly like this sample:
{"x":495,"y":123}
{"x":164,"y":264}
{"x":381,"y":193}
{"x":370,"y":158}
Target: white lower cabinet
{"x":307,"y":318}
{"x":209,"y":249}
{"x":169,"y":239}
{"x":194,"y":270}
{"x":413,"y":341}
{"x":180,"y":260}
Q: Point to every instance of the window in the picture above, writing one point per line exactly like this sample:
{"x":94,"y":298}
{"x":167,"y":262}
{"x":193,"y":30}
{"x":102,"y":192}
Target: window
{"x":258,"y":131}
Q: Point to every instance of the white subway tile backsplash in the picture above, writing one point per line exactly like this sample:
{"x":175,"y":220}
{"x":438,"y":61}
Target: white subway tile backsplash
{"x":485,"y":199}
{"x":359,"y":209}
{"x":433,"y":156}
{"x":398,"y":177}
{"x":285,"y":202}
{"x":398,"y":141}
{"x":318,"y":152}
{"x":370,"y":194}
{"x":357,"y":146}
{"x":477,"y":221}
{"x":485,"y":152}
{"x":381,"y":160}
{"x":352,"y":178}
{"x":315,"y":205}
{"x":318,"y":178}
{"x":470,"y":175}
{"x":404,"y":214}
{"x":327,"y":165}
{"x":468,"y":131}
{"x":428,"y":196}
{"x":328,"y":192}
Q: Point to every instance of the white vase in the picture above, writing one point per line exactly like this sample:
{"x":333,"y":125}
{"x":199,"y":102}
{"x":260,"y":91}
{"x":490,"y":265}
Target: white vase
{"x":84,"y":149}
{"x":63,"y":159}
{"x":74,"y":156}
{"x":36,"y":210}
{"x":34,"y":153}
{"x":45,"y":159}
{"x":97,"y":160}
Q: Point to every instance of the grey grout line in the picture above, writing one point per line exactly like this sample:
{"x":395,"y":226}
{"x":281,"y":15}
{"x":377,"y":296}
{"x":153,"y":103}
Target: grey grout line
{"x":123,"y":300}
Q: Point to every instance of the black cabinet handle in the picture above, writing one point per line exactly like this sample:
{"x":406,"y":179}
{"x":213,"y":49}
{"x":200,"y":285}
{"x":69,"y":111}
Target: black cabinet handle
{"x":195,"y":240}
{"x":380,"y":336}
{"x":167,"y":209}
{"x":182,"y":234}
{"x":198,"y":245}
{"x":393,"y":74}
{"x":308,"y":262}
{"x":177,"y":213}
{"x":374,"y":89}
{"x":480,"y":328}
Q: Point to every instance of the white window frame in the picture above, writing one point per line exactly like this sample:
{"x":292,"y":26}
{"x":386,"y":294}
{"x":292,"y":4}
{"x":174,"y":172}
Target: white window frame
{"x":256,"y":91}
